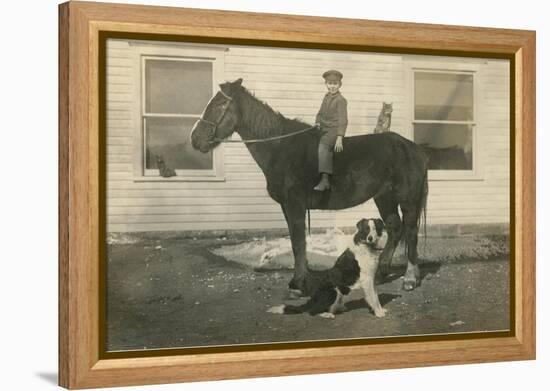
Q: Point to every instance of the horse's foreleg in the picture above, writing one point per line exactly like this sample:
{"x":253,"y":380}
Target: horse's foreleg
{"x":295,"y":218}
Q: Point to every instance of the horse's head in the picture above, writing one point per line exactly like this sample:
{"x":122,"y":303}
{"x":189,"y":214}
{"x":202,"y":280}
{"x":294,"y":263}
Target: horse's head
{"x":219,"y":119}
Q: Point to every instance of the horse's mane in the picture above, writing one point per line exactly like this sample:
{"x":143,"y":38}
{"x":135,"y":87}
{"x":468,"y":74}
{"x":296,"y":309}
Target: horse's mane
{"x":262,"y":119}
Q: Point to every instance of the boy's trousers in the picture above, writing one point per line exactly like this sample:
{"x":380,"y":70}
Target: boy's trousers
{"x":325,"y":158}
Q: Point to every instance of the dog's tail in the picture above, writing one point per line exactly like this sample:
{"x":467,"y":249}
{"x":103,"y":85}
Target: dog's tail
{"x":320,"y":302}
{"x":288,"y":309}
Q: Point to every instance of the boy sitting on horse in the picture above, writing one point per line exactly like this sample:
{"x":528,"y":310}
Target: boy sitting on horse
{"x":332,"y":119}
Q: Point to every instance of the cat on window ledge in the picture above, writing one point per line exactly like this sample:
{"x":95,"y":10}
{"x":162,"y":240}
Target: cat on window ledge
{"x":164,"y":170}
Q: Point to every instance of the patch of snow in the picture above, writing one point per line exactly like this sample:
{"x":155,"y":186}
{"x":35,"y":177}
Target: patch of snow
{"x":121,"y":238}
{"x":277,"y":253}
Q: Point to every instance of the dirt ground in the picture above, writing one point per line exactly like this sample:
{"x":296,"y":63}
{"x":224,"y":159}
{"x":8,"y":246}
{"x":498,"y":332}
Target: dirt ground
{"x":175,"y":292}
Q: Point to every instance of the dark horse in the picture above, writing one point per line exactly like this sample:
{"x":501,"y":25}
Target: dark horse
{"x":385,"y":166}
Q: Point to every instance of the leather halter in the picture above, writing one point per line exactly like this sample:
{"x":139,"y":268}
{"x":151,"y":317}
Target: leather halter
{"x":215,"y":124}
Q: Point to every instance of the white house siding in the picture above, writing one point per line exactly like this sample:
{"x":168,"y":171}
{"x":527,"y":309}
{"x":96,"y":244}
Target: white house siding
{"x":290,"y":82}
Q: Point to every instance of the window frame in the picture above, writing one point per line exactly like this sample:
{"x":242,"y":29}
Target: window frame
{"x":451,"y":67}
{"x":143,"y":51}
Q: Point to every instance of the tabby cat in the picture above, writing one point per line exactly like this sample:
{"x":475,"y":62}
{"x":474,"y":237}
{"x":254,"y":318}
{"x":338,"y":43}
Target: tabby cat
{"x":164,"y":170}
{"x":384,"y":118}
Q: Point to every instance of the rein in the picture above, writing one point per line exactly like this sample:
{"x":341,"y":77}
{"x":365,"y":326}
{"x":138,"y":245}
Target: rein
{"x":265,"y":140}
{"x":215,"y":125}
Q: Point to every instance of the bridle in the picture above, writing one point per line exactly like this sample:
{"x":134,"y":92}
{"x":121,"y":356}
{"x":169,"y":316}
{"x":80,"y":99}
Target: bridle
{"x":214,"y":127}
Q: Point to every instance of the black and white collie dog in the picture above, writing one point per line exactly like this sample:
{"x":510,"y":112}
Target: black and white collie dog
{"x":355,"y":268}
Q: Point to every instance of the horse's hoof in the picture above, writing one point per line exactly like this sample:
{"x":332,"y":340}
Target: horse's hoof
{"x":384,"y":270}
{"x":294,"y":293}
{"x":409,"y":285}
{"x":297,"y":283}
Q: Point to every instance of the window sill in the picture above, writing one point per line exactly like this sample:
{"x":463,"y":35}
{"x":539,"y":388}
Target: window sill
{"x":452,"y":175}
{"x":179,"y":179}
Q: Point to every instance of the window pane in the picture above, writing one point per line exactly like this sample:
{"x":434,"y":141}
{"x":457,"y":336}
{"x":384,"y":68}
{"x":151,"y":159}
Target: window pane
{"x":443,"y":96}
{"x":177,"y":87}
{"x":449,"y":147}
{"x":169,"y":139}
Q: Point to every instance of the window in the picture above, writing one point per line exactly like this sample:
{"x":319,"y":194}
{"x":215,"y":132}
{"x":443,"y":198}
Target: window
{"x":444,"y":119}
{"x":175,"y":86}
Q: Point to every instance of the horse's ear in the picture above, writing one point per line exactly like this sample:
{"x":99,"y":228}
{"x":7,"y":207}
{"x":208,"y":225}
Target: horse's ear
{"x":226,"y":88}
{"x":230,"y":87}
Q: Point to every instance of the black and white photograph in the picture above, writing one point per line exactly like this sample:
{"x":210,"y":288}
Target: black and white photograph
{"x":145,"y":239}
{"x":262,"y":194}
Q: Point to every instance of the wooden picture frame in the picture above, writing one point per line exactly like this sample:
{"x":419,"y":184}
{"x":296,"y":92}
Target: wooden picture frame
{"x":82,"y":364}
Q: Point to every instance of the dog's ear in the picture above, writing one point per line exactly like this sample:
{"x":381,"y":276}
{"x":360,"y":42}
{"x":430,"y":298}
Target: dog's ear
{"x":379,"y":225}
{"x":361,"y":223}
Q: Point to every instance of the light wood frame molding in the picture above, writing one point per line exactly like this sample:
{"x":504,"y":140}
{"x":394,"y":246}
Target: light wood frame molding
{"x":81,"y":364}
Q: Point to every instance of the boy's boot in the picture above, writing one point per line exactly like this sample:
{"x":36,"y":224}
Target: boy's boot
{"x":324,"y":184}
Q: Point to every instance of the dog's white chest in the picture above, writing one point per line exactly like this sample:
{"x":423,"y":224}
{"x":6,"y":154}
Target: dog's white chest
{"x":368,"y":263}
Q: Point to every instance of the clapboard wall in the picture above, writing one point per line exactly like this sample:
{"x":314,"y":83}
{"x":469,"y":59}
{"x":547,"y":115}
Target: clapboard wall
{"x":289,"y":81}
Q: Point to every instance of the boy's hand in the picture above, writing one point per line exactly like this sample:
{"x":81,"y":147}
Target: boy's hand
{"x":338,"y":147}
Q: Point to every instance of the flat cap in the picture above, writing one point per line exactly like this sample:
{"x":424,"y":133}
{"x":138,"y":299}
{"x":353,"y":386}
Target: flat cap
{"x":333,"y":75}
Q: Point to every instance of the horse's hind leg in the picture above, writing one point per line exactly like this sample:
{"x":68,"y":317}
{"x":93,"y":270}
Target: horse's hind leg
{"x":387,"y":206}
{"x":410,"y":223}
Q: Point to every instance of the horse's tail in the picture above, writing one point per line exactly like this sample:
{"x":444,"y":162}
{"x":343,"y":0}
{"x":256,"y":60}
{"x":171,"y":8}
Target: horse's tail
{"x":423,"y":205}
